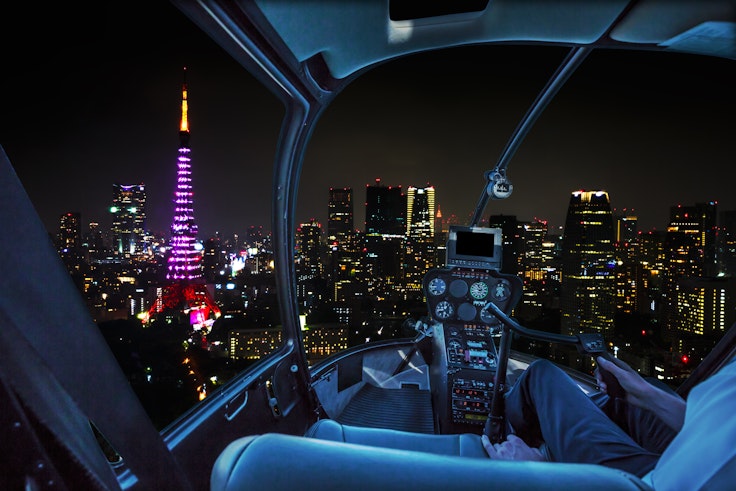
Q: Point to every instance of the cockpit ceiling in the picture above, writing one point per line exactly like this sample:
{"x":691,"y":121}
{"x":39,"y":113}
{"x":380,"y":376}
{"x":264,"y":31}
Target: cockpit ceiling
{"x":353,"y":34}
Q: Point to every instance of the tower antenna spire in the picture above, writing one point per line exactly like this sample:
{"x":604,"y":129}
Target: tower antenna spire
{"x":184,"y":125}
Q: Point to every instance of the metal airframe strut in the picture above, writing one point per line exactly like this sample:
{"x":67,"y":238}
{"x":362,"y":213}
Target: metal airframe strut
{"x":497,"y":184}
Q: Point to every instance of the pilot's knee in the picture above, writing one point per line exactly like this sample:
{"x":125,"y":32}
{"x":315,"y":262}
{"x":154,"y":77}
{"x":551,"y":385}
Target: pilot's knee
{"x":541,"y":365}
{"x":543,"y":370}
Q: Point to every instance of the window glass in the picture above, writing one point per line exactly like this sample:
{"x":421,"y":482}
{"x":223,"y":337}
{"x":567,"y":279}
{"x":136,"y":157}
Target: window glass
{"x":154,"y":183}
{"x":602,"y":225}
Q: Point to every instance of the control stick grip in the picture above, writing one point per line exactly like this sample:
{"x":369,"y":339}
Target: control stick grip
{"x":613,"y":387}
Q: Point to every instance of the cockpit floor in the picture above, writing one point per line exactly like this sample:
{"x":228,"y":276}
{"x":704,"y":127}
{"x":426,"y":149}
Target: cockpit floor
{"x":406,"y":409}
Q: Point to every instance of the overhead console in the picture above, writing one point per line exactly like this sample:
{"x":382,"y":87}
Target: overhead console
{"x":463,"y":348}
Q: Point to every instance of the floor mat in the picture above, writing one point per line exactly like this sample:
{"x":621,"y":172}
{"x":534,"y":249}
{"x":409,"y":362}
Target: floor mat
{"x":407,"y":409}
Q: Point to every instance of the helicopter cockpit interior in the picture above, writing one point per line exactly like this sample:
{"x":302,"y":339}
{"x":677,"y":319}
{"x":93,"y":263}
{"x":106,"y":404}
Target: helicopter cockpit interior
{"x":397,"y":412}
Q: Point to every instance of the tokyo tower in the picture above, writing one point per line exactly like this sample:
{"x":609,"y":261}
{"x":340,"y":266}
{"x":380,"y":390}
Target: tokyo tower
{"x":186,"y":291}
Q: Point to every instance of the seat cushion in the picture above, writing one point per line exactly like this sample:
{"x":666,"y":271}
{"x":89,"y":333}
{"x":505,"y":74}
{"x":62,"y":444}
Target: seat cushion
{"x":461,"y":445}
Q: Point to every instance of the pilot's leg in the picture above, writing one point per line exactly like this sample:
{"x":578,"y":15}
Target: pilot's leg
{"x":546,"y":405}
{"x":644,"y":426}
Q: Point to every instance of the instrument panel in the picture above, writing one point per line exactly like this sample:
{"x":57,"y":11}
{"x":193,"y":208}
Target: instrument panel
{"x":460,"y":295}
{"x":457,"y":298}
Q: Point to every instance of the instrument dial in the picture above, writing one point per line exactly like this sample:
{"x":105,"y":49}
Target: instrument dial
{"x":437,"y":286}
{"x":466,"y":311}
{"x":479,"y":290}
{"x":444,"y":310}
{"x":501,"y":291}
{"x":458,"y":288}
{"x":487,"y":318}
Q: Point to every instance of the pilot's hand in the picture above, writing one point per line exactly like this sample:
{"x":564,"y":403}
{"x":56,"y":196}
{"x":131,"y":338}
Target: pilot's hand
{"x":514,"y":448}
{"x":637,"y":389}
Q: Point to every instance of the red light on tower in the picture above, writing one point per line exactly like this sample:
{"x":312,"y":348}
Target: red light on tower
{"x":685,"y":359}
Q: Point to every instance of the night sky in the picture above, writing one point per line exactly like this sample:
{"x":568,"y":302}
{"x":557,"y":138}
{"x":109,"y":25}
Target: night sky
{"x":85,"y":104}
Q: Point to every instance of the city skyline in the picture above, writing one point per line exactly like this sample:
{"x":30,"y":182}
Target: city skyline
{"x":115,"y":119}
{"x":362,"y":227}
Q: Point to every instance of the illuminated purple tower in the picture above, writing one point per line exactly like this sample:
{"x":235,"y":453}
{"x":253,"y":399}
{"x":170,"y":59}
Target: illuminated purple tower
{"x":184,"y":258}
{"x":186,"y":291}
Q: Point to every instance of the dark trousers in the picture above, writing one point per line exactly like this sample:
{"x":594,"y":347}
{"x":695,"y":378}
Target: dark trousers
{"x":546,"y":405}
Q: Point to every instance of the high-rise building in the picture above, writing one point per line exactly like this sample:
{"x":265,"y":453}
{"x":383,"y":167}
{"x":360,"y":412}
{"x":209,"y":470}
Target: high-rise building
{"x":628,"y":267}
{"x":69,"y":238}
{"x":727,"y":243}
{"x":588,"y":265}
{"x":420,"y":211}
{"x":93,"y":241}
{"x":651,"y":259}
{"x":420,"y":245}
{"x":703,"y":313}
{"x":385,"y":208}
{"x":441,"y":234}
{"x":254,"y":235}
{"x":128,"y":211}
{"x":706,"y":306}
{"x":344,"y":248}
{"x":309,"y":248}
{"x":512,"y":244}
{"x":690,"y":252}
{"x":308,"y":263}
{"x":340,"y":213}
{"x":385,"y":236}
{"x":214,"y":261}
{"x":533,"y":268}
{"x":626,"y":228}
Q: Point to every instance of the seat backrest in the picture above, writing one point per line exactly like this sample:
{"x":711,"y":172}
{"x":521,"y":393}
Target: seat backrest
{"x":284,"y":462}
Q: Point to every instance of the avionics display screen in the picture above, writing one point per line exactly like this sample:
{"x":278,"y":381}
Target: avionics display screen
{"x":474,"y":247}
{"x":475,"y":244}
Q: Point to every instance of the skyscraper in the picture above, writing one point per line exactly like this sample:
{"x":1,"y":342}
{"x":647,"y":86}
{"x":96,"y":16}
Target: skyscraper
{"x":690,"y":252}
{"x":343,"y":246}
{"x":628,"y":267}
{"x":420,"y":211}
{"x":128,"y":219}
{"x":588,"y":279}
{"x":420,"y":245}
{"x":651,"y":259}
{"x":385,"y":234}
{"x":690,"y":244}
{"x":385,"y":208}
{"x":533,"y":268}
{"x":69,"y":237}
{"x":727,"y":243}
{"x":340,"y":213}
{"x":309,"y":249}
{"x":511,"y":231}
{"x":309,"y":269}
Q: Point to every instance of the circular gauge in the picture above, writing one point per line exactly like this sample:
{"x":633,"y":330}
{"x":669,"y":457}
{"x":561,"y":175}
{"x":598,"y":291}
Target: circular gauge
{"x":436,"y":286}
{"x":488,"y":318}
{"x":478,"y":290}
{"x":466,"y":311}
{"x":458,"y":288}
{"x":501,"y":291}
{"x":444,"y":310}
